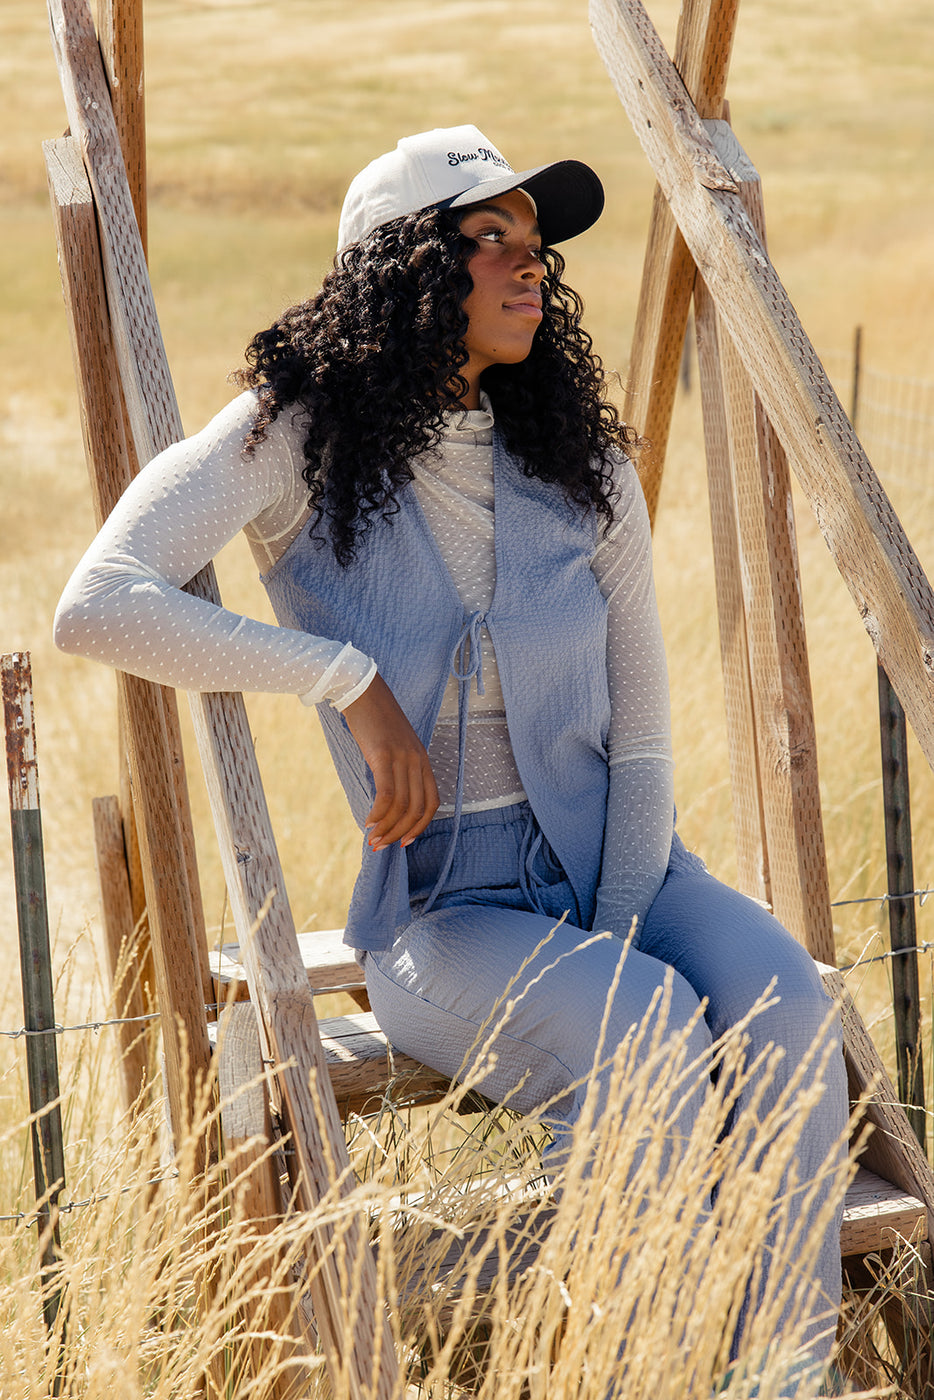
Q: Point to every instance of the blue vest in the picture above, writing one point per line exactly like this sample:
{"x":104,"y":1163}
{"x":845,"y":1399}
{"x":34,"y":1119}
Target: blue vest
{"x":547,"y":622}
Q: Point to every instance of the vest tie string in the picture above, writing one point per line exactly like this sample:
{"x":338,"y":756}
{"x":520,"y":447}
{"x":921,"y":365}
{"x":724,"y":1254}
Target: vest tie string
{"x":466,"y":663}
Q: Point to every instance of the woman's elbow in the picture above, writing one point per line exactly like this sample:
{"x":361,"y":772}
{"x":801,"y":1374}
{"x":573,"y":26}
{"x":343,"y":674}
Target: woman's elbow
{"x":68,"y":633}
{"x":77,"y":627}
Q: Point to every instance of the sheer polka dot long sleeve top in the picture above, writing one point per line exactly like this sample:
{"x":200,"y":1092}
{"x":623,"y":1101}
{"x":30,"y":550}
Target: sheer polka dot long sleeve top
{"x":125,"y":605}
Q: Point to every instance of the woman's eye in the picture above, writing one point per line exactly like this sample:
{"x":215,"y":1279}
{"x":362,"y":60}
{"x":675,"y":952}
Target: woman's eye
{"x":496,"y":234}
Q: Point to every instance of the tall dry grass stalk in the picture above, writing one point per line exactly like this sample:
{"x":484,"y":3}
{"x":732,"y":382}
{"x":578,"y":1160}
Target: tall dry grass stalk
{"x":615,"y":1275}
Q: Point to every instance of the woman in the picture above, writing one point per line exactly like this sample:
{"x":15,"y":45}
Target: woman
{"x":439,"y":500}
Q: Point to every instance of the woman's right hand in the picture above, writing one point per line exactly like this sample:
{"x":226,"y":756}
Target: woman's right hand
{"x":406,"y":791}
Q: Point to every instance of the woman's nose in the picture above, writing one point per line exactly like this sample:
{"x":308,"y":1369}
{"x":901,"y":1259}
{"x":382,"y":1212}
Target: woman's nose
{"x":531,"y":268}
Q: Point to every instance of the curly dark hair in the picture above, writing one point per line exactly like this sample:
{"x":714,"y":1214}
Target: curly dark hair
{"x":372,"y":361}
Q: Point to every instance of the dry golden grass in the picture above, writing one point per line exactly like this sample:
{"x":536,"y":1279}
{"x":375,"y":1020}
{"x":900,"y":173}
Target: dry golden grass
{"x":166,"y":1284}
{"x":258,"y":114}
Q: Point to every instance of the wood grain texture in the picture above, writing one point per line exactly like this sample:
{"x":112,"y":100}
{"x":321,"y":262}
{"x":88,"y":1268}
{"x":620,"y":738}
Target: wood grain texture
{"x":350,"y":1319}
{"x":271,"y":1311}
{"x":120,"y":28}
{"x":863,"y":533}
{"x":329,"y":963}
{"x":703,"y":45}
{"x":763,"y":551}
{"x":177,"y":937}
{"x":892,"y":1150}
{"x":121,"y":936}
{"x":363,"y":1067}
{"x":877,"y":1215}
{"x":752,"y":860}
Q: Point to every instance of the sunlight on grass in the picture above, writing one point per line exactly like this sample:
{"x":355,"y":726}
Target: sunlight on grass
{"x":258,"y":114}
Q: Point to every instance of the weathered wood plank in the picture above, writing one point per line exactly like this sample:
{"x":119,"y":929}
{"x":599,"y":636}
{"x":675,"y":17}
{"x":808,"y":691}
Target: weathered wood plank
{"x":780,"y":685}
{"x":329,"y":963}
{"x":179,"y":942}
{"x":856,"y":518}
{"x":877,"y":1215}
{"x":120,"y":939}
{"x":892,"y":1150}
{"x":272,"y":1307}
{"x":120,"y":28}
{"x":363,"y":1066}
{"x":752,"y":861}
{"x":703,"y":44}
{"x":341,"y":1265}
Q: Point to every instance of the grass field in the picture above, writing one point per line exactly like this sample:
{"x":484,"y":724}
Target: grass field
{"x":258,"y":114}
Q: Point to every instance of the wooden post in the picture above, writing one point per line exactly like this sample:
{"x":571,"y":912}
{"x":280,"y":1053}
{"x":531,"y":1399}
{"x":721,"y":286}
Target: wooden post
{"x":120,"y":28}
{"x":861,"y":529}
{"x":752,"y":860}
{"x":120,"y":938}
{"x":248,"y":1139}
{"x":896,"y":795}
{"x":180,"y":947}
{"x":906,"y":992}
{"x":48,"y":1152}
{"x":702,"y":56}
{"x":358,"y":1348}
{"x":763,"y":554}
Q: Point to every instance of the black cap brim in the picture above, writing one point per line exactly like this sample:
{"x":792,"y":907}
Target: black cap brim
{"x":568,"y":196}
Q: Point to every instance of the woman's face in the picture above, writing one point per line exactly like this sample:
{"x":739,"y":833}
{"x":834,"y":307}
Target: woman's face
{"x":504,"y":307}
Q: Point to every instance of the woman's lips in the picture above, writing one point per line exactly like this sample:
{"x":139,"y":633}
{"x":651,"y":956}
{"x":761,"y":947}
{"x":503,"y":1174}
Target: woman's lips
{"x":531,"y":307}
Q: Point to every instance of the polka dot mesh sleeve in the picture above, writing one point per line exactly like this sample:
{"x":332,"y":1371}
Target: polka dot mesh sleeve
{"x":640,"y":807}
{"x":124,"y":604}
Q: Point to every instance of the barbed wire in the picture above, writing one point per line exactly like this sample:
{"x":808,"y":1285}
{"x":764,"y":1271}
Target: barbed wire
{"x":33,"y":1217}
{"x":880,"y":899}
{"x":919,"y":895}
{"x":85,"y":1026}
{"x":888,"y":955}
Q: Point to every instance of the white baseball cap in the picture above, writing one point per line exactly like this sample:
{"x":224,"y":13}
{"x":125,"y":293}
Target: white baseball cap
{"x":456,"y":165}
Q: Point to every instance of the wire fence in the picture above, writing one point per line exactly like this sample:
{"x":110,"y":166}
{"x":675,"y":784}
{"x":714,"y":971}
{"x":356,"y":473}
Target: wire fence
{"x":894,"y":418}
{"x":895,"y":422}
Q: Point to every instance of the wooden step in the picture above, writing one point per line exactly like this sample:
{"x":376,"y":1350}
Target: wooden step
{"x":363,"y":1067}
{"x":877,"y":1214}
{"x":330,"y":964}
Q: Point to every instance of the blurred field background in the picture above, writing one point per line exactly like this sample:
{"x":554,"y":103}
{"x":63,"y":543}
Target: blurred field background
{"x":258,"y":115}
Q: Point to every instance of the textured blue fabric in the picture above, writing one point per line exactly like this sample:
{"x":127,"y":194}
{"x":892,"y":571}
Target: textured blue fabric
{"x":547,"y":621}
{"x":439,"y":984}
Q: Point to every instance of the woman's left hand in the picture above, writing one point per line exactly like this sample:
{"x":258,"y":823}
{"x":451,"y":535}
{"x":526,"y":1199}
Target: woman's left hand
{"x":406,"y":792}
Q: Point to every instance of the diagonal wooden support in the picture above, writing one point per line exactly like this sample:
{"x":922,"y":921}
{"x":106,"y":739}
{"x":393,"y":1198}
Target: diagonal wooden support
{"x":861,"y":529}
{"x":350,"y":1319}
{"x":182,"y":974}
{"x":892,"y":1150}
{"x":756,"y":556}
{"x":703,"y":45}
{"x":752,"y":862}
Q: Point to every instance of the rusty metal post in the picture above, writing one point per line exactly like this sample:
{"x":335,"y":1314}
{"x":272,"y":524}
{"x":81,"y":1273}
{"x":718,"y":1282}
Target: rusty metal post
{"x":36,"y":961}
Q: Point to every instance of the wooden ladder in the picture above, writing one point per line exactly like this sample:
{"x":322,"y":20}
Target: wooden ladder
{"x":767,"y":404}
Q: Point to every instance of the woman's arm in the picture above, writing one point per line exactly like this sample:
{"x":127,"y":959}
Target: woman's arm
{"x":124,"y":604}
{"x":640,"y":805}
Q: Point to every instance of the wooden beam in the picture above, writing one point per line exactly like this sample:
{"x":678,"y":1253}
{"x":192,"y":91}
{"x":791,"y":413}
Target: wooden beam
{"x":342,"y":1271}
{"x":764,"y":557}
{"x":120,"y":27}
{"x":182,"y":972}
{"x":856,"y":517}
{"x":752,"y":860}
{"x":702,"y":56}
{"x":892,"y":1150}
{"x":271,"y":1309}
{"x":120,"y":940}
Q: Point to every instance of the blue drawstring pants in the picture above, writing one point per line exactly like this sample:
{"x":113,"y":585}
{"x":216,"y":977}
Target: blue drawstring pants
{"x":439,"y":983}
